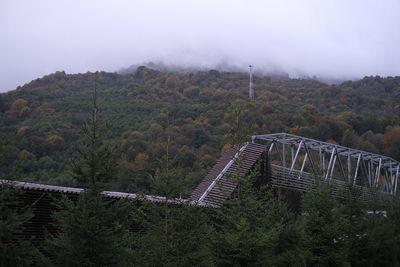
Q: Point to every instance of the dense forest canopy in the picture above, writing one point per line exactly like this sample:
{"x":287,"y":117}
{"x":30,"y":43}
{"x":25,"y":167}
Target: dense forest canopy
{"x":40,"y":122}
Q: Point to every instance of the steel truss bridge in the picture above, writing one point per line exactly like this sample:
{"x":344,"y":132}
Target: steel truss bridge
{"x":298,"y":163}
{"x":288,"y":161}
{"x":291,"y":162}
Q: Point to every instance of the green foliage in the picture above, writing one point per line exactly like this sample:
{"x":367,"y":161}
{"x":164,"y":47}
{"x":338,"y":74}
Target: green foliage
{"x":180,"y":239}
{"x":199,"y":111}
{"x":323,"y":229}
{"x":95,"y":165}
{"x":394,"y":149}
{"x":173,"y":232}
{"x":255,"y":228}
{"x":347,"y":232}
{"x":92,"y":232}
{"x":15,"y":249}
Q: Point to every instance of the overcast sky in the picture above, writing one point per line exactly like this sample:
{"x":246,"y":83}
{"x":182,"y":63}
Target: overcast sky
{"x":335,"y":39}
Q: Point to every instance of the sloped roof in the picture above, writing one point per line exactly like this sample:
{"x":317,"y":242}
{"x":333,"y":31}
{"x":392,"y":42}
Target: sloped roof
{"x":76,"y":191}
{"x":220,"y":183}
{"x":215,"y":188}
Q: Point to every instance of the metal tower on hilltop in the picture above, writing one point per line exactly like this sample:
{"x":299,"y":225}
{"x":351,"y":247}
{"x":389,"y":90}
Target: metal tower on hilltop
{"x":251,"y":89}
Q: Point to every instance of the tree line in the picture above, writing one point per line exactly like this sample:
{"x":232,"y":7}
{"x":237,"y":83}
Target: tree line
{"x":255,"y":227}
{"x":40,"y":121}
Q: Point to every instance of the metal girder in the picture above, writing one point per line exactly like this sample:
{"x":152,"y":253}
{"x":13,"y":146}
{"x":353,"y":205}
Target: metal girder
{"x":226,"y":168}
{"x":302,"y":165}
{"x":378,"y":173}
{"x":356,"y":171}
{"x":334,"y":161}
{"x":295,"y":157}
{"x":283,"y":137}
{"x":308,"y":152}
{"x":329,"y":165}
{"x":333,"y":166}
{"x":341,"y":166}
{"x":396,"y":180}
{"x":270,"y":148}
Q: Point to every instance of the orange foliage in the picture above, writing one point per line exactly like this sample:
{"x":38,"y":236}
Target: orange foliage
{"x":19,"y":103}
{"x":192,"y":91}
{"x":26,"y":155}
{"x":24,"y":112}
{"x":54,"y":140}
{"x":390,"y":134}
{"x":172,"y":81}
{"x":20,"y":108}
{"x":21,"y":131}
{"x":141,"y":157}
{"x":205,"y":149}
{"x":225,"y":148}
{"x":267,"y":108}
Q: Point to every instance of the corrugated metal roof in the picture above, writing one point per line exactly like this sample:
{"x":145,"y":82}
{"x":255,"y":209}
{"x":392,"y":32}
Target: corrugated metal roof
{"x":220,"y":182}
{"x":215,"y":188}
{"x":76,"y":191}
{"x":218,"y":167}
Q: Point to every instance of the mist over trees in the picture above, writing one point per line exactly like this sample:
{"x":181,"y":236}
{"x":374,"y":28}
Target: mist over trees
{"x":167,"y":130}
{"x":40,"y":122}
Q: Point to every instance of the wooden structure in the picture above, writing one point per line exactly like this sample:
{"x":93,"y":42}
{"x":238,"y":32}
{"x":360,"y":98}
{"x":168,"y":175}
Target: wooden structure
{"x":297,"y":163}
{"x":289,"y":162}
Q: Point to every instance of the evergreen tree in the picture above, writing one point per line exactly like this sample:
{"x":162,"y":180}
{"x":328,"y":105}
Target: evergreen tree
{"x":351,"y":211}
{"x":96,"y":165}
{"x":173,"y":232}
{"x":92,"y":230}
{"x":323,"y":228}
{"x":15,"y":249}
{"x":189,"y":234}
{"x":394,"y":219}
{"x":255,"y":228}
{"x":379,"y":241}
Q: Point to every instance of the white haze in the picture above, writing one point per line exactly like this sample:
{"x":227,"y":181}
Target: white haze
{"x":334,"y":39}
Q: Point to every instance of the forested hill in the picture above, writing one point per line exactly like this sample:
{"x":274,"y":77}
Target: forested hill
{"x":40,"y":122}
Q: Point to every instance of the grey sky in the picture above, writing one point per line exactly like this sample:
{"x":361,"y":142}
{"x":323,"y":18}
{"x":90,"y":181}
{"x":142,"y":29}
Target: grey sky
{"x":335,"y":39}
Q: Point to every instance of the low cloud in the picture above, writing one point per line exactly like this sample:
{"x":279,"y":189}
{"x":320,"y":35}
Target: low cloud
{"x":328,"y":39}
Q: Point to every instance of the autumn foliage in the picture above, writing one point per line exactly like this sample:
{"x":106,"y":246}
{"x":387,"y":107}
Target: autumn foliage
{"x":196,"y":110}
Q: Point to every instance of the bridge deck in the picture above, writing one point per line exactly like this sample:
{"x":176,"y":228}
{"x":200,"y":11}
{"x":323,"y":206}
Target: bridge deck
{"x":294,"y":161}
{"x":219,"y":184}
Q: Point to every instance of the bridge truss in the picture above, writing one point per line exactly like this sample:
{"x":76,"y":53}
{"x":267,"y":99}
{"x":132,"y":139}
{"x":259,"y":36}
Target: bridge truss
{"x":296,"y":162}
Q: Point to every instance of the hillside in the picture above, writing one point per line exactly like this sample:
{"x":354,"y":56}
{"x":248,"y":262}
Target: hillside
{"x":40,"y":122}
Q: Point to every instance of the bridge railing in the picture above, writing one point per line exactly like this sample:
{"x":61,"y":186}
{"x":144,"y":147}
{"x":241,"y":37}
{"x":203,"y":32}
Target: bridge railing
{"x":294,"y":180}
{"x":332,"y":162}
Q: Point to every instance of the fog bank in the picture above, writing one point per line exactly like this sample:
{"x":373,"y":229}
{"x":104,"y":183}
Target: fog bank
{"x":328,"y":39}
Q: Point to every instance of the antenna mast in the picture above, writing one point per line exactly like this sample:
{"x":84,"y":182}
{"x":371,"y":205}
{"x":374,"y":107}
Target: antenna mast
{"x":251,"y":89}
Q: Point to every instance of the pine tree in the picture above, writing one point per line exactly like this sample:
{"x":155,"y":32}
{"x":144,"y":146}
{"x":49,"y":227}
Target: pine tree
{"x":394,"y":219}
{"x":351,"y":212}
{"x":373,"y":232}
{"x":189,"y":235}
{"x":173,"y":232}
{"x":255,"y":228}
{"x":96,"y":165}
{"x":15,"y":249}
{"x":323,"y":228}
{"x":92,"y":230}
